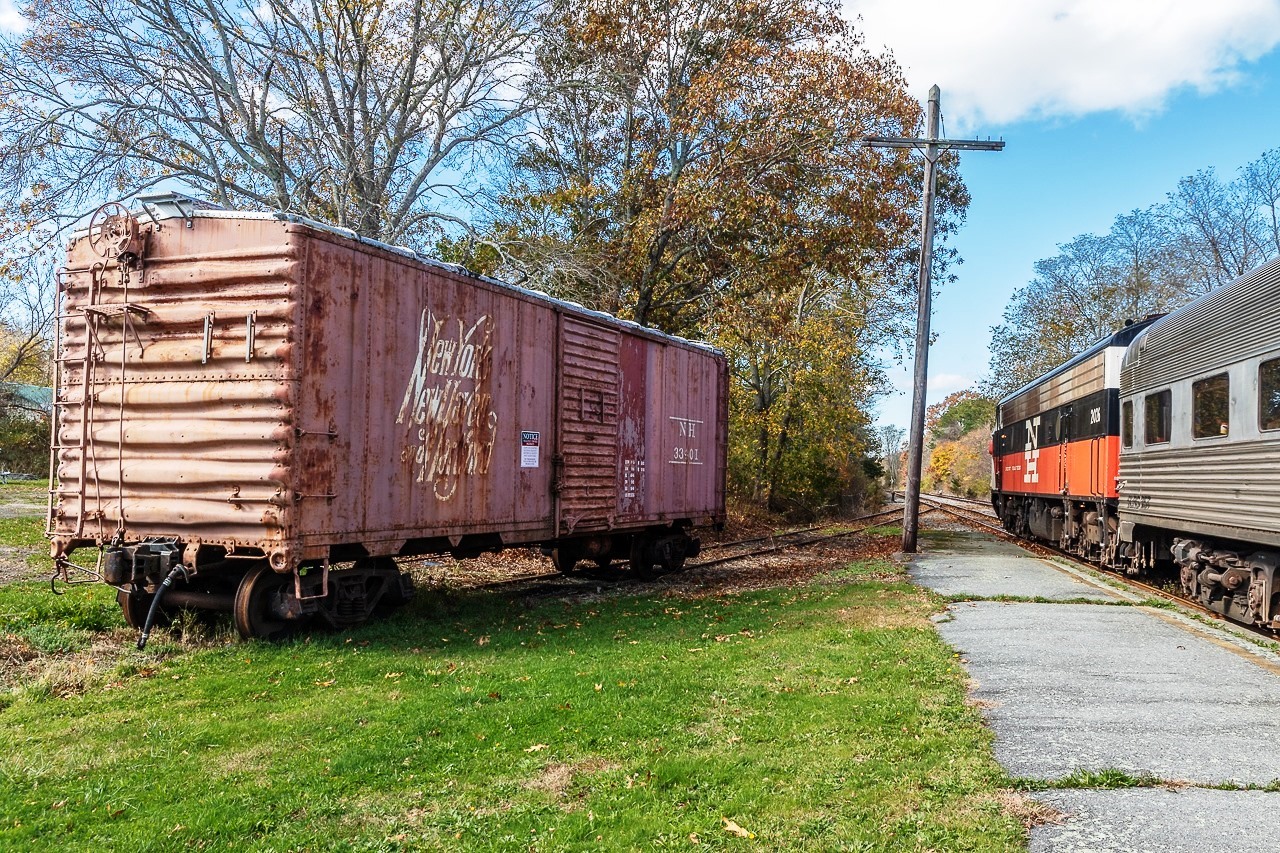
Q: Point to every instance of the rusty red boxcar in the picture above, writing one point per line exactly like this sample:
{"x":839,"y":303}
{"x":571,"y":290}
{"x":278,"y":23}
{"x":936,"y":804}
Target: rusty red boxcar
{"x":261,"y":411}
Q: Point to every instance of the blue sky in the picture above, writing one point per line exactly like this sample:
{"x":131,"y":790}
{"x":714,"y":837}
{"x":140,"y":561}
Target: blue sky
{"x":1104,"y":106}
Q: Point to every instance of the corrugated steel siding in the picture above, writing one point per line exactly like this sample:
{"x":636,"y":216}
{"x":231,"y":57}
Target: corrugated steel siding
{"x":589,"y":398}
{"x":1223,"y":327}
{"x":1230,"y":490}
{"x":206,"y":437}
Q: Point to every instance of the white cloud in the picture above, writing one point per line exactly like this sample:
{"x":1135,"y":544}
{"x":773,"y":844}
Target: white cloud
{"x":10,"y":19}
{"x":942,"y":384}
{"x":999,"y":61}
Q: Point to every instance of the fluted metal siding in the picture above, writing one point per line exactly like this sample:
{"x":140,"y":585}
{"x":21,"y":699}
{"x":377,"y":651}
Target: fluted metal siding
{"x":1225,"y":486}
{"x":1230,"y":490}
{"x":1226,"y":326}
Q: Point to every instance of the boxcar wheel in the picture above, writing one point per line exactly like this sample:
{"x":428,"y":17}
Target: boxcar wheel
{"x":255,"y":597}
{"x":135,"y":607}
{"x":642,"y":556}
{"x":566,"y":557}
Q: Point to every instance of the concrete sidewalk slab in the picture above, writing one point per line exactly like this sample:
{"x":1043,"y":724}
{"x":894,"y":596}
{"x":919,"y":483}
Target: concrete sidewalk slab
{"x":1090,"y":687}
{"x":974,"y":564}
{"x":1192,"y":820}
{"x":1071,"y":687}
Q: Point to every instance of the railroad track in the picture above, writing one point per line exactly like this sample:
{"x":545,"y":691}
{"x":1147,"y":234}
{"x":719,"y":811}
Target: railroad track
{"x":550,"y":582}
{"x":981,"y":519}
{"x":953,"y":500}
{"x":791,"y":539}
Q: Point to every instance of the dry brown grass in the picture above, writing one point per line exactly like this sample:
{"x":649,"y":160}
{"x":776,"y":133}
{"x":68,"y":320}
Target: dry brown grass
{"x":1025,"y":808}
{"x":876,"y":617}
{"x":557,"y":778}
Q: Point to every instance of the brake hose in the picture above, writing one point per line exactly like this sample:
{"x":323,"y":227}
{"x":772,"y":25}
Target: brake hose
{"x":155,"y":603}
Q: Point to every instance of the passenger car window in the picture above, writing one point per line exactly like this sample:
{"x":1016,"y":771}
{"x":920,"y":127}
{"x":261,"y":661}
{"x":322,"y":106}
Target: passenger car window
{"x":1126,"y":423}
{"x":1157,"y":410}
{"x":1269,"y":394}
{"x":1211,"y":407}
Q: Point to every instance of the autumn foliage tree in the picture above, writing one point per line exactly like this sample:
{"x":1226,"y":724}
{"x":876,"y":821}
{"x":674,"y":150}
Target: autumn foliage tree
{"x":696,"y":167}
{"x":691,"y":150}
{"x":801,"y":387}
{"x":959,"y":433}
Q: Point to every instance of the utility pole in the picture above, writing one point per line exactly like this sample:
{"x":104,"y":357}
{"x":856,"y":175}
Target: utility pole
{"x":932,"y":146}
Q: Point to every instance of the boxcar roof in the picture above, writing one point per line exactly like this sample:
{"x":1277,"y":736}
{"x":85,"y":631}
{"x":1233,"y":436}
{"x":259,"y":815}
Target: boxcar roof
{"x":175,"y":206}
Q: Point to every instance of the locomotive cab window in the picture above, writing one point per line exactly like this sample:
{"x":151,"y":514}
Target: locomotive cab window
{"x":1157,"y":411}
{"x":1211,"y":407}
{"x":1269,"y":394}
{"x":1126,"y":423}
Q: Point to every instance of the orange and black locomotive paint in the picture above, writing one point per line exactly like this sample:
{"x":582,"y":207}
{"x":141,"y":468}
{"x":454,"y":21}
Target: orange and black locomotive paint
{"x":1072,"y":449}
{"x":1056,"y":450}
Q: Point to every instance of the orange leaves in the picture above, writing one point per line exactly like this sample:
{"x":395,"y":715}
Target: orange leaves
{"x":719,"y":143}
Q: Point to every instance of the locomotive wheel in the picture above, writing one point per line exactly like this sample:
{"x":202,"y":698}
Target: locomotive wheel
{"x":253,"y":609}
{"x":135,"y":607}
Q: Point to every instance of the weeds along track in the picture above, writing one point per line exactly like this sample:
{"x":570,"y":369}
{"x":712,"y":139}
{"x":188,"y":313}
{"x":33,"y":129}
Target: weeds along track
{"x":791,"y":539}
{"x":981,"y":518}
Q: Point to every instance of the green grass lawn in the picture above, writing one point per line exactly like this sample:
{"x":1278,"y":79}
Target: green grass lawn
{"x":825,"y":716}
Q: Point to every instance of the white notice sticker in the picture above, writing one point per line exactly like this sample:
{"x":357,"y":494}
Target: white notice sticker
{"x":528,"y":449}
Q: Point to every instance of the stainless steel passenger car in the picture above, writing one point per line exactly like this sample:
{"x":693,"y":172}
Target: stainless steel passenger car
{"x":262,"y":411}
{"x":1200,"y":447}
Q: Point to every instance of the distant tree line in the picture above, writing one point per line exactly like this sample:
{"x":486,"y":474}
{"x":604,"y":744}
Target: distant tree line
{"x":1207,"y":233}
{"x":689,"y":164}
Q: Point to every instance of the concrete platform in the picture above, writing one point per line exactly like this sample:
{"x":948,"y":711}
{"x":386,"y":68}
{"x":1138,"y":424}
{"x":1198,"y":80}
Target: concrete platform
{"x":1156,"y":820}
{"x":1088,"y":687}
{"x":1071,"y":687}
{"x":964,"y":563}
